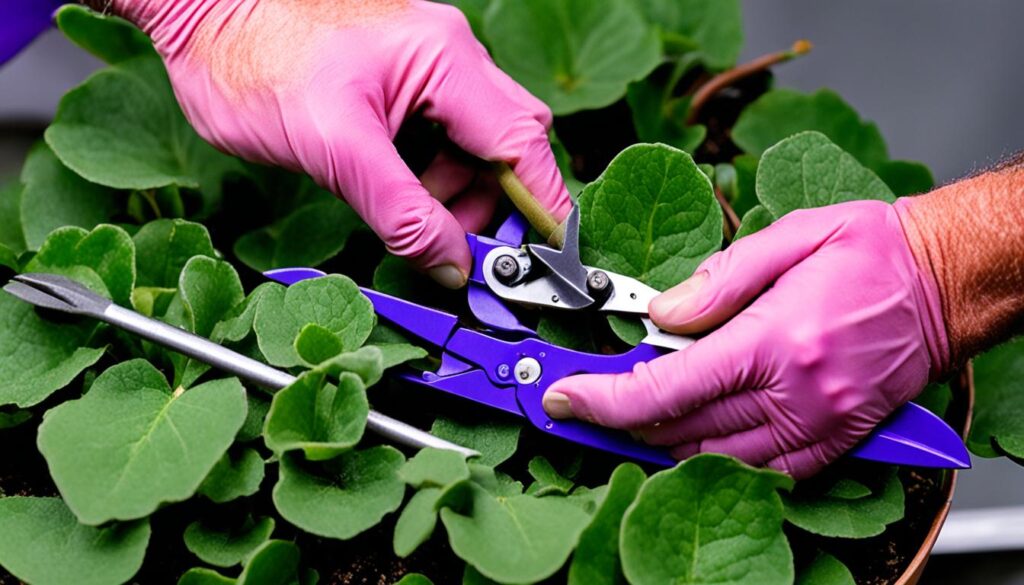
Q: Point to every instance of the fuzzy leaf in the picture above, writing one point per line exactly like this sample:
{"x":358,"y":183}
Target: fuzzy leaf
{"x":906,"y":177}
{"x":37,"y":356}
{"x":237,"y":324}
{"x":495,"y":440}
{"x":998,"y":425}
{"x":710,"y":519}
{"x":754,"y":221}
{"x":131,"y":444}
{"x":11,"y":234}
{"x":107,"y":37}
{"x":342,"y":497}
{"x":333,"y":302}
{"x":519,"y":539}
{"x":321,"y":419}
{"x":366,"y":362}
{"x":596,"y":560}
{"x":417,"y":521}
{"x":107,"y":252}
{"x":715,"y":28}
{"x":629,"y":330}
{"x":275,"y":562}
{"x":164,"y":246}
{"x":316,"y":344}
{"x":223,"y":546}
{"x":255,"y":418}
{"x":652,"y":215}
{"x":819,"y":507}
{"x":54,"y":196}
{"x":592,"y":49}
{"x":434,"y":468}
{"x":825,"y":569}
{"x":569,"y":330}
{"x":209,"y":290}
{"x":42,"y":543}
{"x":807,"y":170}
{"x":308,"y":236}
{"x":234,"y":476}
{"x":123,"y":128}
{"x":548,"y":480}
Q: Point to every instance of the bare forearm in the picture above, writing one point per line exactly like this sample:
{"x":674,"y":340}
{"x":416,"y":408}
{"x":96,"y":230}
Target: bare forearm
{"x":970,"y":235}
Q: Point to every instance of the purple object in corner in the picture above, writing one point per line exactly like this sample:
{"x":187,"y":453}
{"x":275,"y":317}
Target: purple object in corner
{"x":21,"y":22}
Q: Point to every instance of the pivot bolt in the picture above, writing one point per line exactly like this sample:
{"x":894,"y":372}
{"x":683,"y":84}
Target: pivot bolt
{"x":527,"y":371}
{"x":599,"y":284}
{"x":506,"y":269}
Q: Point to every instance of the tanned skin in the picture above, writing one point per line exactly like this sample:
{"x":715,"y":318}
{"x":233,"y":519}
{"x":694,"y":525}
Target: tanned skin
{"x":970,"y":236}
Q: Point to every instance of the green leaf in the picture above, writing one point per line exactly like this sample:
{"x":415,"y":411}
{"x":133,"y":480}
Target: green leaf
{"x":819,"y":507}
{"x":548,"y":480}
{"x":333,"y":302}
{"x":53,"y":196}
{"x":204,"y":576}
{"x":275,"y":562}
{"x":342,"y":497}
{"x":825,"y":569}
{"x":781,"y":113}
{"x":807,"y":170}
{"x":417,"y":521}
{"x":107,"y":251}
{"x":495,"y":440}
{"x":652,"y":215}
{"x":164,"y":246}
{"x":308,"y":236}
{"x":39,"y":357}
{"x":123,"y":128}
{"x":317,"y":344}
{"x":255,"y":417}
{"x":628,"y":329}
{"x":238,"y":323}
{"x":569,"y":330}
{"x":209,"y":290}
{"x":227,"y":546}
{"x":321,"y":419}
{"x":9,"y":420}
{"x":596,"y":560}
{"x":906,"y":177}
{"x":234,"y":476}
{"x":366,"y":362}
{"x":519,"y":539}
{"x":107,"y":37}
{"x":998,"y":425}
{"x":131,"y":444}
{"x":754,"y":221}
{"x":710,"y":519}
{"x":414,"y":579}
{"x":592,"y":49}
{"x":658,"y":117}
{"x":434,"y":468}
{"x":714,"y":27}
{"x":11,"y":234}
{"x":42,"y":543}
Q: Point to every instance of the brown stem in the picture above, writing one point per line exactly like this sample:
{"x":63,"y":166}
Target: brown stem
{"x":734,"y":75}
{"x":731,"y":221}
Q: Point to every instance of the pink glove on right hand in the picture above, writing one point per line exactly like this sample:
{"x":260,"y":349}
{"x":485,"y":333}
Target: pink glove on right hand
{"x":842,"y":327}
{"x":324,"y":85}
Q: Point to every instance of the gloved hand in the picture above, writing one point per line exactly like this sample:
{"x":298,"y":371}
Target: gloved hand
{"x":828,"y":324}
{"x":323,"y":86}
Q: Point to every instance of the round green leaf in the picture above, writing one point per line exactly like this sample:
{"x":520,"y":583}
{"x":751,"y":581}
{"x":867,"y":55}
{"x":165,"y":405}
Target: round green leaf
{"x":417,"y":521}
{"x":591,"y":49}
{"x":164,"y":246}
{"x":825,"y":569}
{"x":131,"y":444}
{"x":710,"y":519}
{"x":107,"y":252}
{"x":596,"y":560}
{"x":342,"y":497}
{"x":42,"y":543}
{"x":998,"y":425}
{"x":434,"y":468}
{"x":496,"y":440}
{"x":321,"y":419}
{"x":234,"y":476}
{"x":227,"y":546}
{"x":827,"y":508}
{"x":108,"y":37}
{"x":651,"y":215}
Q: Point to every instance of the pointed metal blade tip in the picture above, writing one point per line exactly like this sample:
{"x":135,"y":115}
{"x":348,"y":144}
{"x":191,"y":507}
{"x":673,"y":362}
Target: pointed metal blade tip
{"x":59,"y":293}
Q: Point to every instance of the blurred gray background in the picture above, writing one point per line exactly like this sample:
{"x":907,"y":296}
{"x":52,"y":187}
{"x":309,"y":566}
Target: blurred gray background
{"x":942,"y":78}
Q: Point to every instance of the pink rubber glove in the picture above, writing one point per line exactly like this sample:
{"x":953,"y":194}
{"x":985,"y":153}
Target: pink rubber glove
{"x":323,"y":86}
{"x":829,"y":326}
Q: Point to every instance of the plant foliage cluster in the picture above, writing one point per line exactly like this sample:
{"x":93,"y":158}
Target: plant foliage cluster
{"x":123,"y":196}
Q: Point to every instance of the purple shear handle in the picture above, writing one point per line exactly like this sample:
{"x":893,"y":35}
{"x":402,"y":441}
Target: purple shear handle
{"x":21,"y":21}
{"x":512,"y":376}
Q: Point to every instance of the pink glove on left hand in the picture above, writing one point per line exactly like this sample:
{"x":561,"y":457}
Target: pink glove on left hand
{"x":842,"y":327}
{"x":323,"y":86}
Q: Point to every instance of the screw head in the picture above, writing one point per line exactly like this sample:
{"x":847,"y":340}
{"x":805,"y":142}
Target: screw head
{"x":599,"y":284}
{"x":504,"y":371}
{"x":506,"y":269}
{"x":528,"y":371}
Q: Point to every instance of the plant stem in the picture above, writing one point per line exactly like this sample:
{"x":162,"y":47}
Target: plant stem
{"x":730,"y":221}
{"x":734,"y":75}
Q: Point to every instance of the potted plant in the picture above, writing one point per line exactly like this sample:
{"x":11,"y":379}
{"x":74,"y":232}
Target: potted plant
{"x":124,"y":461}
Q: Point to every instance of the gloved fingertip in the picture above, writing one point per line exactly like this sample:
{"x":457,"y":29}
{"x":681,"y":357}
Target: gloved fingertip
{"x":684,"y":451}
{"x":557,"y":405}
{"x":680,"y":304}
{"x":449,"y":276}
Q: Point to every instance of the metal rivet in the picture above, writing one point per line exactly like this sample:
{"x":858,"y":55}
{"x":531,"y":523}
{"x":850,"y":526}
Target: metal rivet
{"x":506,"y":269}
{"x":554,"y":298}
{"x":504,"y":371}
{"x":528,"y":371}
{"x":549,"y":425}
{"x":632,"y":296}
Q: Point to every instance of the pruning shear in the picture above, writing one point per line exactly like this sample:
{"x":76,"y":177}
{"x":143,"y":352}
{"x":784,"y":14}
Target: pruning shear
{"x":508,"y":367}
